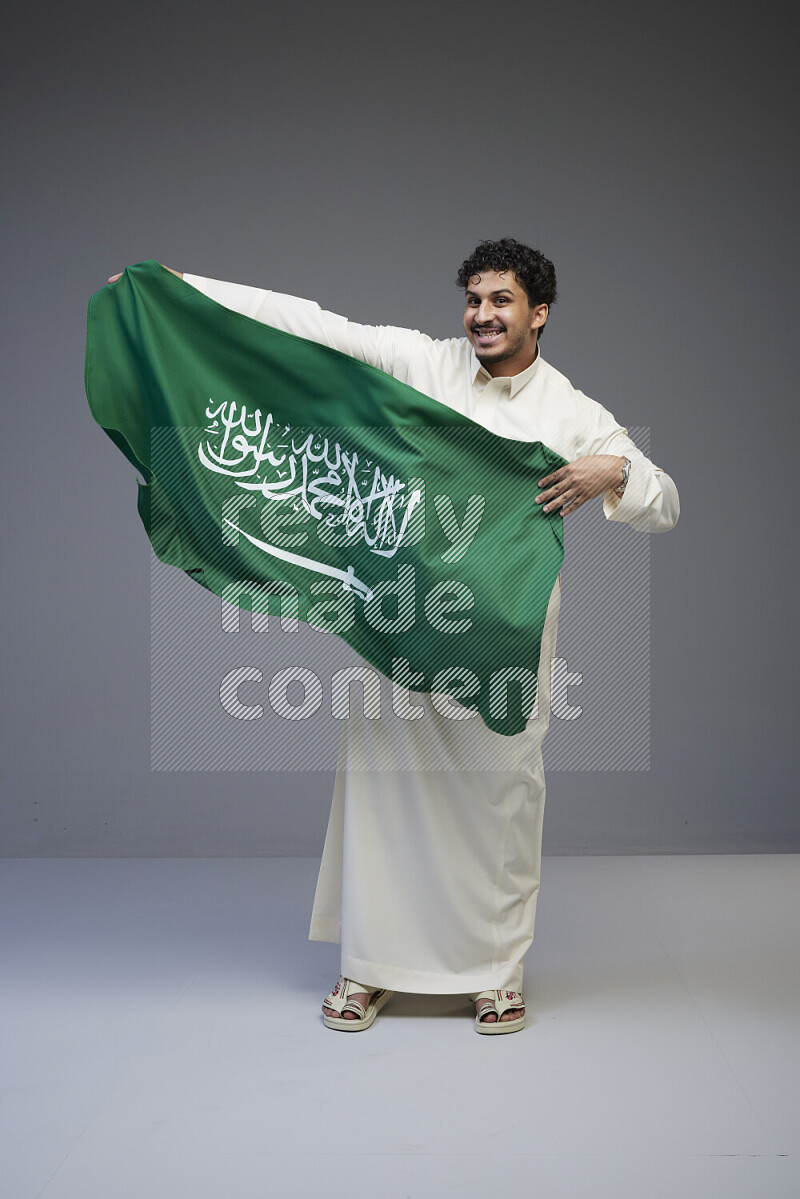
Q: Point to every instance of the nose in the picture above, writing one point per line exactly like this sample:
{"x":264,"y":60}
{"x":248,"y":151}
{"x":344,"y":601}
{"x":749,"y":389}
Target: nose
{"x":485,"y":313}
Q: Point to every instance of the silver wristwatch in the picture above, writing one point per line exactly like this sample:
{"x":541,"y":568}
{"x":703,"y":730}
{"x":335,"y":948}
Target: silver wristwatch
{"x":626,"y":470}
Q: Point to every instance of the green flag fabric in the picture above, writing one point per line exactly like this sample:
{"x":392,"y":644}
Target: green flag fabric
{"x":288,"y":477}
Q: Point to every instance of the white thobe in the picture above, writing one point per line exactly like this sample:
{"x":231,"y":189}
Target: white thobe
{"x":430,"y":877}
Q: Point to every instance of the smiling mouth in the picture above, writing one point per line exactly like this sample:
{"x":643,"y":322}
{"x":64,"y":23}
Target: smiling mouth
{"x":487,"y":336}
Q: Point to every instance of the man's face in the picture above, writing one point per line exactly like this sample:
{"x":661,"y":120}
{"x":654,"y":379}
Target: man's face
{"x":500,"y":323}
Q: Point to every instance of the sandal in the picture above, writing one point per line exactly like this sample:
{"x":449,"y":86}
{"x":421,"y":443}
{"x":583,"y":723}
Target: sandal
{"x":501,"y":1001}
{"x":339,"y":1001}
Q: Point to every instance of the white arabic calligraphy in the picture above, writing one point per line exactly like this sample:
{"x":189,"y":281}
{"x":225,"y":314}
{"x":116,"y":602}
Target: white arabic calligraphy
{"x":314,"y":473}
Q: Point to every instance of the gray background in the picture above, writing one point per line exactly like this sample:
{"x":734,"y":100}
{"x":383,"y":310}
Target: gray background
{"x":355,"y":154}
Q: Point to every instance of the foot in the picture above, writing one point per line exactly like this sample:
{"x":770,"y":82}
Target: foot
{"x":486,"y":1012}
{"x":361,"y":997}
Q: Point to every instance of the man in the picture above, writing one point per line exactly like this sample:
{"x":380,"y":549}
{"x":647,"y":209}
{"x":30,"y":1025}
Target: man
{"x":430,"y":876}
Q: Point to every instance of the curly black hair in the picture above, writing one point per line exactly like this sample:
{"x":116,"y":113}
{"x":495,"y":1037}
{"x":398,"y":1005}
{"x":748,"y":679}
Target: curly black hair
{"x":534,"y":273}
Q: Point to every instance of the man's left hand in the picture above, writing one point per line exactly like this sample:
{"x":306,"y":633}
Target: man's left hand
{"x":572,"y":485}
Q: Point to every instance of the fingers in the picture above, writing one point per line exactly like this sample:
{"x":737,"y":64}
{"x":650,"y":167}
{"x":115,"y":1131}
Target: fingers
{"x":113,"y":278}
{"x":567,"y":498}
{"x":552,"y":493}
{"x":559,"y":497}
{"x":571,"y":486}
{"x":553,"y":478}
{"x":554,"y":484}
{"x":551,"y":497}
{"x":563,"y":491}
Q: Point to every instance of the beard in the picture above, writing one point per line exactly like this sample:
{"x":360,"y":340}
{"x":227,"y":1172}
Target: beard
{"x":508,"y":347}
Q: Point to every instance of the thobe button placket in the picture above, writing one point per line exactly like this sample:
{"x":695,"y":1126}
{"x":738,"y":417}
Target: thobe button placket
{"x":492,"y":396}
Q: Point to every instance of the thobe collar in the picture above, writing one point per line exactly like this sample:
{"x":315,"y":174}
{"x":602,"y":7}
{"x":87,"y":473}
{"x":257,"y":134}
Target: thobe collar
{"x":480,"y":376}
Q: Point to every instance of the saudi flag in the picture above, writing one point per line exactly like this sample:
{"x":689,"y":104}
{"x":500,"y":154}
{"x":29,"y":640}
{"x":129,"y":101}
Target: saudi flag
{"x":286,"y":476}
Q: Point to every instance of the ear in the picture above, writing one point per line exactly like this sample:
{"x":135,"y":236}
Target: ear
{"x":539,"y":314}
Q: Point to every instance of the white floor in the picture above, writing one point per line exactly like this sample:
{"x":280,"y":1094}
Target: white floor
{"x":161,"y":1037}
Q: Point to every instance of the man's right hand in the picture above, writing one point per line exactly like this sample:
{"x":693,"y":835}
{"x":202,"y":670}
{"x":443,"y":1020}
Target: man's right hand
{"x":113,"y":278}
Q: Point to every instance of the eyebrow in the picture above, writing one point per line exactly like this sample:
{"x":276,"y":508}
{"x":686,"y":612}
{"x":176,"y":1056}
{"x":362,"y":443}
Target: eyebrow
{"x":501,"y":291}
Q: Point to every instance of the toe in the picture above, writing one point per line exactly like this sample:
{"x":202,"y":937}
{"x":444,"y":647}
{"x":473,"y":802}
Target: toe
{"x":486,"y":1012}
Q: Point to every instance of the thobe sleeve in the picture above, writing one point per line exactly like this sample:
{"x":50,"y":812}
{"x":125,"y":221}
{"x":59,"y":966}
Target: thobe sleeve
{"x":388,"y":348}
{"x":649,"y":502}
